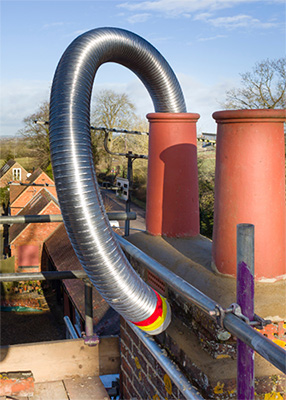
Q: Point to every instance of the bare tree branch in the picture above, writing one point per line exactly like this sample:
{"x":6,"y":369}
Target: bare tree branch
{"x":263,"y":87}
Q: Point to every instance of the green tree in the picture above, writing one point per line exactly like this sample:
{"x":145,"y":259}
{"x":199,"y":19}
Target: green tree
{"x":263,"y":87}
{"x":206,"y":196}
{"x":113,"y":111}
{"x":8,"y":156}
{"x":4,"y":199}
{"x":37,"y":134}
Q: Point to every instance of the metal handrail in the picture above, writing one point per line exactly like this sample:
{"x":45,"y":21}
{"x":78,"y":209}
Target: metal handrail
{"x":42,"y":276}
{"x":174,"y":372}
{"x":262,"y":345}
{"x":91,"y":339}
{"x":27,"y":219}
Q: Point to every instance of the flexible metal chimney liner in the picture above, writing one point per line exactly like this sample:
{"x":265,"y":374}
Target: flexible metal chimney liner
{"x":79,"y":196}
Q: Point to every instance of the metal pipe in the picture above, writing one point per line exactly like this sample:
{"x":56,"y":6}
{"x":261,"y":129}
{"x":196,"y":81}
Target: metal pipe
{"x":265,"y":347}
{"x":71,"y":153}
{"x":28,"y":219}
{"x":128,"y":202}
{"x":30,"y":184}
{"x":43,"y":276}
{"x":185,"y":289}
{"x":121,"y":216}
{"x":245,"y":299}
{"x":261,"y":344}
{"x":90,"y":338}
{"x":71,"y":330}
{"x":88,"y":308}
{"x":175,"y":374}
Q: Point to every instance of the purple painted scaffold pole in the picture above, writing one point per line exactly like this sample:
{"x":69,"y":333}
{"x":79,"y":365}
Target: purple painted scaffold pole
{"x":245,"y":299}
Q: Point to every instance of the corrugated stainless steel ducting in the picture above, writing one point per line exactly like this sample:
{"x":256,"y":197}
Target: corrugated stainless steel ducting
{"x":79,"y":196}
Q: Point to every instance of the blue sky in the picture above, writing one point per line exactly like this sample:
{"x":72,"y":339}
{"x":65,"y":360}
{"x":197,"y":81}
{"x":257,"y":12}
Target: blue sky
{"x":206,"y":42}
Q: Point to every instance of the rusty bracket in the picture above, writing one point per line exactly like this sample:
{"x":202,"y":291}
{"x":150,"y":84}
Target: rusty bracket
{"x":235,"y":309}
{"x":260,"y":323}
{"x":220,"y":312}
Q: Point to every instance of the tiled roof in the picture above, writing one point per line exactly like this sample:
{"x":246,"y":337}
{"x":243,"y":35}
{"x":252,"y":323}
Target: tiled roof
{"x":18,"y":192}
{"x":15,"y":191}
{"x":35,"y":175}
{"x":18,"y":189}
{"x":34,"y":207}
{"x":60,"y":251}
{"x":6,"y":167}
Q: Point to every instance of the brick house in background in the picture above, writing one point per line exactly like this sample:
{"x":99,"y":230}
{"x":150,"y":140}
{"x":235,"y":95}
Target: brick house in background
{"x":26,"y":240}
{"x":21,"y":195}
{"x":12,"y":171}
{"x":58,"y":255}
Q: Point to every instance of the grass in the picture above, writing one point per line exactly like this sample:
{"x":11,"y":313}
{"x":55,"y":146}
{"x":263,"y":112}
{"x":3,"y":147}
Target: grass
{"x":208,"y":164}
{"x":206,"y":159}
{"x":26,"y":162}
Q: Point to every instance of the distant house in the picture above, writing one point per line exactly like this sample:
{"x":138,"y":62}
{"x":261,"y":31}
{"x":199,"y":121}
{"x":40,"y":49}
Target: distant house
{"x":209,"y":136}
{"x":20,"y":195}
{"x":58,"y":255}
{"x":207,"y":140}
{"x":12,"y":171}
{"x":26,"y":240}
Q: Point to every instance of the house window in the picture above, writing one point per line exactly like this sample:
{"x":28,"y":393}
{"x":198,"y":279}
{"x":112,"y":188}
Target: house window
{"x":16,"y":174}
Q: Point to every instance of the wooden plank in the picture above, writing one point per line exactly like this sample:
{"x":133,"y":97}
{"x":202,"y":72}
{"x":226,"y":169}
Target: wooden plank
{"x":51,"y":361}
{"x":72,"y":357}
{"x":109,"y":355}
{"x":50,"y":391}
{"x":90,"y":388}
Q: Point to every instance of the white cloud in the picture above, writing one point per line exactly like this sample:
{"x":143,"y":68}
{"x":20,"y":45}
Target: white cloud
{"x":19,"y":99}
{"x":239,"y":21}
{"x":207,"y":39}
{"x":174,"y":6}
{"x":178,"y":7}
{"x":155,"y":39}
{"x":76,"y":33}
{"x":200,"y":97}
{"x":139,"y":18}
{"x":53,"y":25}
{"x":200,"y":10}
{"x":202,"y":16}
{"x":204,"y":99}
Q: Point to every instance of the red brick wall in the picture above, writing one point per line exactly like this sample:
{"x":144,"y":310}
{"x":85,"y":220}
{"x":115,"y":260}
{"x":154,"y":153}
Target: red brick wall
{"x":17,"y":384}
{"x":35,"y":234}
{"x":141,"y":376}
{"x":28,"y":255}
